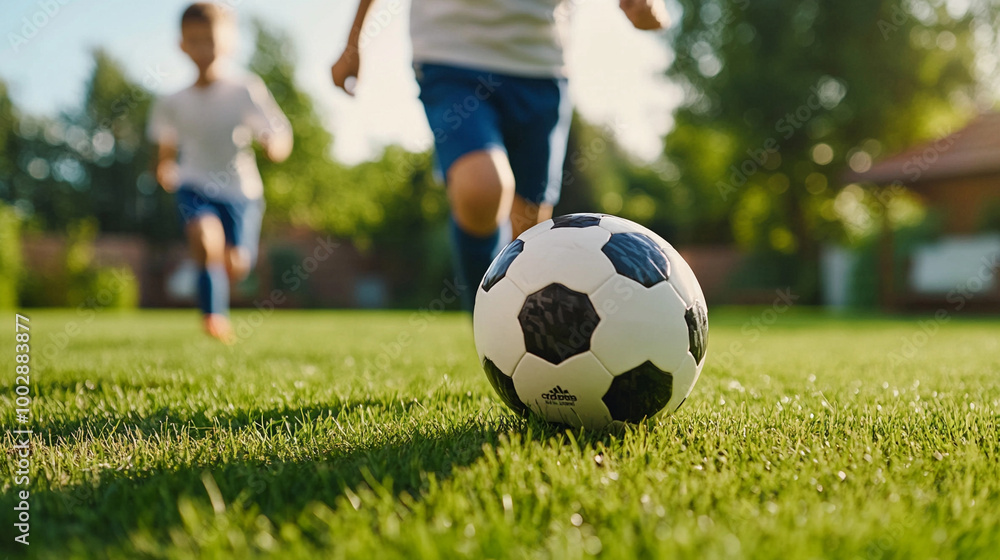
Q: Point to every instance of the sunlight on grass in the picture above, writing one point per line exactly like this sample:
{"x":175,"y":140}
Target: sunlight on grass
{"x":323,"y":434}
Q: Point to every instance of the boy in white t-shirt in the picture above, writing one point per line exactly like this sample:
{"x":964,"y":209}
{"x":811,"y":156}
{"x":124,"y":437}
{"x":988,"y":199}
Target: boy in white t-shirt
{"x":492,"y":82}
{"x":205,"y":134}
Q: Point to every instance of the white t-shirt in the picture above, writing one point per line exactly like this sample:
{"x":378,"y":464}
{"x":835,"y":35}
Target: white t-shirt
{"x":213,"y":128}
{"x":519,"y":37}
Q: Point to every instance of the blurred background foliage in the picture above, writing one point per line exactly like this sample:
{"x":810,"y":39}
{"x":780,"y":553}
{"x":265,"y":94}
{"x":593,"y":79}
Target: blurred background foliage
{"x":76,"y":281}
{"x":781,"y":97}
{"x":10,"y":257}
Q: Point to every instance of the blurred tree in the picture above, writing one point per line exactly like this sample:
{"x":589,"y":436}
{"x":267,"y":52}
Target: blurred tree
{"x":587,"y":155}
{"x":783,"y":94}
{"x":115,"y":155}
{"x":599,"y":176}
{"x":26,"y":171}
{"x":10,"y":257}
{"x":412,"y":241}
{"x":10,"y":222}
{"x":295,"y":189}
{"x":92,"y":162}
{"x":8,"y":141}
{"x":38,"y":187}
{"x":310,"y":188}
{"x":391,"y":205}
{"x":592,"y":171}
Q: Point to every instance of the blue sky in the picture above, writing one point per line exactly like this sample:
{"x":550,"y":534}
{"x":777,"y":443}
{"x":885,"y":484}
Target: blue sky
{"x":616,"y":72}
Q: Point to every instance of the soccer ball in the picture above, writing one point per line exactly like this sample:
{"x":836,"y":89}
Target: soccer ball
{"x":591,"y":319}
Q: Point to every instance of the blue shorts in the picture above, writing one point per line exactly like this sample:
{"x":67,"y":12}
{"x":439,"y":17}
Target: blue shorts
{"x":471,"y":110}
{"x":240,"y":220}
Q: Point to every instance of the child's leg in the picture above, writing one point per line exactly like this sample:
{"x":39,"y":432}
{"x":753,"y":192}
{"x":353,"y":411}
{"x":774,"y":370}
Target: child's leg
{"x":481,"y":191}
{"x":207,"y":242}
{"x":205,"y":232}
{"x":525,"y":214}
{"x":535,"y":126}
{"x":237,"y":264}
{"x":470,"y":152}
{"x":241,"y":223}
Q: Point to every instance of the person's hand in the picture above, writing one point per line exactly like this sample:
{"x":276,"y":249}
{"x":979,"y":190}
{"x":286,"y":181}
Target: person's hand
{"x":647,"y":15}
{"x":277,"y":147}
{"x":345,"y":70}
{"x":166,"y":175}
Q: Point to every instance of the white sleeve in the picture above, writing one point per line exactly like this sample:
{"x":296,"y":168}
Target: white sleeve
{"x":161,"y":128}
{"x":264,"y":115}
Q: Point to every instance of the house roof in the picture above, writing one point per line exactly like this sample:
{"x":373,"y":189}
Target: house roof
{"x":973,"y":150}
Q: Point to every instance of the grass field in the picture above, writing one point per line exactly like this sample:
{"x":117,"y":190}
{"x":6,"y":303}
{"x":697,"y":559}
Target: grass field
{"x":327,"y":434}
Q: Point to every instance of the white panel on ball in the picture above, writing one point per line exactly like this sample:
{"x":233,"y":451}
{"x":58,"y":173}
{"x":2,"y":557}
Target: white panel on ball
{"x":494,"y":320}
{"x":614,"y":224}
{"x":535,"y":231}
{"x":638,"y":324}
{"x":568,"y":256}
{"x":569,"y":393}
{"x":682,"y":277}
{"x":685,"y":376}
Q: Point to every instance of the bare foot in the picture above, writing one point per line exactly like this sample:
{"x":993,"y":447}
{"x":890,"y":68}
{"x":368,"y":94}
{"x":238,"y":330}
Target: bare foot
{"x":217,"y":326}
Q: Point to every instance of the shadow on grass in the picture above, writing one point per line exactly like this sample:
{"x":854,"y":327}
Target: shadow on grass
{"x":102,"y":514}
{"x":183,"y":418}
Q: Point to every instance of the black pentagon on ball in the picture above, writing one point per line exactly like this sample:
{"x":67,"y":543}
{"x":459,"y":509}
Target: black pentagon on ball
{"x":557,"y":323}
{"x":639,"y":393}
{"x":504,"y":386}
{"x":697,"y":322}
{"x":498,"y":268}
{"x":638,"y":257}
{"x":576,"y":221}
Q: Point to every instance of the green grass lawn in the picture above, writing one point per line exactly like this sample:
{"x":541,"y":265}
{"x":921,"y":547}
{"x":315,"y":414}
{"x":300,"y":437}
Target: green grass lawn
{"x":320,"y":435}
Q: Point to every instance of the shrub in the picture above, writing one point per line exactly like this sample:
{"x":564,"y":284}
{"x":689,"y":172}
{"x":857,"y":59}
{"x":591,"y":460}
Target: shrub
{"x":10,"y":257}
{"x":78,"y":282}
{"x":108,"y":288}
